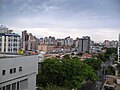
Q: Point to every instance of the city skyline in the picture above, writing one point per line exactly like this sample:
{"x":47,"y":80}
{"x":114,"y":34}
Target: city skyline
{"x":98,"y":19}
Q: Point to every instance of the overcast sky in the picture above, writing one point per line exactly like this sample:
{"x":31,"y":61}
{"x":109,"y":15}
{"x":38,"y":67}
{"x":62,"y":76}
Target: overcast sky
{"x":99,"y":19}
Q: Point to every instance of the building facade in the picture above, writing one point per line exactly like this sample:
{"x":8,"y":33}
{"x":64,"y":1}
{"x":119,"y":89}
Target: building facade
{"x":29,"y":42}
{"x":119,"y":49}
{"x":9,"y":41}
{"x":46,"y":48}
{"x":18,"y":73}
{"x":110,"y":44}
{"x":84,"y":44}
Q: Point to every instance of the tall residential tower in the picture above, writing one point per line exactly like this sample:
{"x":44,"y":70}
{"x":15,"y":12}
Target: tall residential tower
{"x":119,"y":49}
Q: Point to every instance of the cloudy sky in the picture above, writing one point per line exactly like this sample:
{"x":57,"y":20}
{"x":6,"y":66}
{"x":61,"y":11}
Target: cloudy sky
{"x":99,"y":19}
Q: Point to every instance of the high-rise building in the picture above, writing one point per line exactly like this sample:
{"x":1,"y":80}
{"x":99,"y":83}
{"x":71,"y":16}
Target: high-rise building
{"x":29,"y":42}
{"x":25,"y":40}
{"x":84,"y":44}
{"x":119,"y":49}
{"x":68,"y":41}
{"x":9,"y":42}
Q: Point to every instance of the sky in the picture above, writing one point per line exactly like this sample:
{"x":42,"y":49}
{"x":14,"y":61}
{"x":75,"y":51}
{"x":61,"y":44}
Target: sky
{"x":99,"y":19}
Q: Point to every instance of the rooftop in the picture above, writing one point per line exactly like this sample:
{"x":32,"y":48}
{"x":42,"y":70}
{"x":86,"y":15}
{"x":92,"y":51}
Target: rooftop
{"x":12,"y":55}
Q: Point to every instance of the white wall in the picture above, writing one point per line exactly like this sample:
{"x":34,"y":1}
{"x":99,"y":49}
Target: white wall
{"x":30,"y":69}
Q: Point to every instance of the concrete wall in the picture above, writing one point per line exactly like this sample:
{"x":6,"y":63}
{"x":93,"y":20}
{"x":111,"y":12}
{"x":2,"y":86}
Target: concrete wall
{"x":29,"y":65}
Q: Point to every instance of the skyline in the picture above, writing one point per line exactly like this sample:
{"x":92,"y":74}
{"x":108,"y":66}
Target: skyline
{"x":98,"y":19}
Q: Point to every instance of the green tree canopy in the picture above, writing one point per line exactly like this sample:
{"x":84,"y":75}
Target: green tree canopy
{"x":68,"y":72}
{"x":94,"y":63}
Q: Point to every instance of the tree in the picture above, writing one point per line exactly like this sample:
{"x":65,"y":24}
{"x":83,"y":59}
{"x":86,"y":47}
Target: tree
{"x":105,"y":56}
{"x":68,"y":72}
{"x":80,"y":54}
{"x":109,"y":70}
{"x":111,"y":50}
{"x":94,"y":63}
{"x":67,"y":56}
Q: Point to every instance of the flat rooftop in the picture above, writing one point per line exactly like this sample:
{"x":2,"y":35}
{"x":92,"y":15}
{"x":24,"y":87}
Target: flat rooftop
{"x":13,"y":55}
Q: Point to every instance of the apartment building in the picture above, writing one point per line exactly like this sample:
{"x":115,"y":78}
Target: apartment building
{"x":84,"y":44}
{"x":29,"y":42}
{"x":119,"y":49}
{"x":9,"y":41}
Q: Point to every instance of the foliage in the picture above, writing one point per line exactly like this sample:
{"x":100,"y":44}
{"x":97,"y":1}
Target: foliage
{"x":80,"y":54}
{"x":105,"y":56}
{"x":68,"y":72}
{"x":110,"y":70}
{"x":67,"y":56}
{"x":102,"y":56}
{"x":53,"y":87}
{"x":94,"y":63}
{"x":111,"y":50}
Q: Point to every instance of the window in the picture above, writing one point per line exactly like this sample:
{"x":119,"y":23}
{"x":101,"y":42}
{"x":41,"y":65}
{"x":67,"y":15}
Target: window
{"x":8,"y":87}
{"x":14,"y":86}
{"x":20,"y":69}
{"x":10,"y":71}
{"x":3,"y":88}
{"x":3,"y":72}
{"x":13,"y":70}
{"x":24,"y":84}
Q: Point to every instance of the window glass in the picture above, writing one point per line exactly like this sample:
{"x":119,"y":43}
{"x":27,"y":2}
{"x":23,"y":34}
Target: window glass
{"x":3,"y":72}
{"x":10,"y":71}
{"x":8,"y":87}
{"x":20,"y":69}
{"x":14,"y":86}
{"x":3,"y":88}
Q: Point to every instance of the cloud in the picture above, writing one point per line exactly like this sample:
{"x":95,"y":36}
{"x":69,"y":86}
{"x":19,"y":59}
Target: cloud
{"x":63,"y":17}
{"x":98,"y":35}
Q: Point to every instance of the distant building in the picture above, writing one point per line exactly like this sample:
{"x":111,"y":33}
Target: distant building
{"x":60,"y":42}
{"x":107,"y":43}
{"x":119,"y":49}
{"x":76,"y":43}
{"x":68,"y":41}
{"x":29,"y":42}
{"x":110,"y":44}
{"x":18,"y":72}
{"x":84,"y":44}
{"x":9,"y":42}
{"x":86,"y":56}
{"x":46,"y":48}
{"x":114,"y":44}
{"x":41,"y":41}
{"x":3,"y":29}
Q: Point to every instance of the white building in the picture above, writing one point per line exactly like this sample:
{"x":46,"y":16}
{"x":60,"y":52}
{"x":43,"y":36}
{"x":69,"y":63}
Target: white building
{"x":119,"y":49}
{"x":9,"y":43}
{"x":18,"y":73}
